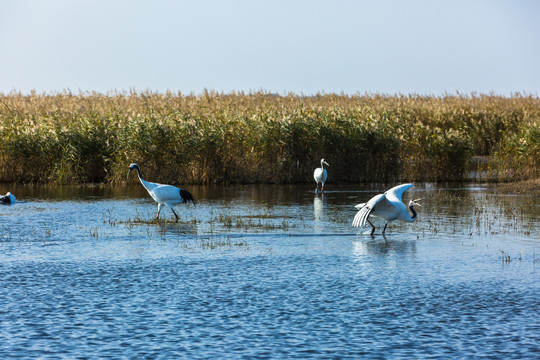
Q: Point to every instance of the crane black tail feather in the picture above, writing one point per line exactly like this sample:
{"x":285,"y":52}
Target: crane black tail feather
{"x":187,"y":197}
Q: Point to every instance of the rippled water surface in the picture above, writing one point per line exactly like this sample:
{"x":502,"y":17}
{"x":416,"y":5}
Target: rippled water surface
{"x":267,"y":272}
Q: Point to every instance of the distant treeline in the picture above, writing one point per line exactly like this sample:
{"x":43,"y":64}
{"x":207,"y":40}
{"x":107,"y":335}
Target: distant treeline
{"x":267,"y":138}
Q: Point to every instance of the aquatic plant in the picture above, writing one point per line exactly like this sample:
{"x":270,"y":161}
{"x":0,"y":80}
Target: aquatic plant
{"x":266,"y":138}
{"x":518,"y":154}
{"x":213,"y":242}
{"x":254,"y":221}
{"x":505,"y":257}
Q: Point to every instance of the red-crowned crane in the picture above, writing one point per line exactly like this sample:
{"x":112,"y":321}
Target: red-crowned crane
{"x":163,"y":194}
{"x":387,"y":206}
{"x":320,"y":176}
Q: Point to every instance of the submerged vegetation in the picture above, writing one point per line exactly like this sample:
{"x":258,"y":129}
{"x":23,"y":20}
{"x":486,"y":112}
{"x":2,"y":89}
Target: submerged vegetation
{"x":267,"y":138}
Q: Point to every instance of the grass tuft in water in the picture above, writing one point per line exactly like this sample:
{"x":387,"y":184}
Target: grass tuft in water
{"x":213,"y":242}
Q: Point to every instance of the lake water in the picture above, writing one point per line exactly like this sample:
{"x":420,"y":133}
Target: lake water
{"x":267,"y":272}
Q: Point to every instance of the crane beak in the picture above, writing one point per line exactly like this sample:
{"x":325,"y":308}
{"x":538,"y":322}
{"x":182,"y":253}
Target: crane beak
{"x":415,"y":202}
{"x":327,"y":164}
{"x":129,"y":172}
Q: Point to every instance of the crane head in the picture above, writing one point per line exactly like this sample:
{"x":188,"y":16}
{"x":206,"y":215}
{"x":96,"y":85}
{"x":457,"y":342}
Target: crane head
{"x":131,"y":167}
{"x":414,"y":202}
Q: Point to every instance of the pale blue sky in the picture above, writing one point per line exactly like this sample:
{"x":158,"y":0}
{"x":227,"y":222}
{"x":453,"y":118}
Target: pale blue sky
{"x":424,"y":47}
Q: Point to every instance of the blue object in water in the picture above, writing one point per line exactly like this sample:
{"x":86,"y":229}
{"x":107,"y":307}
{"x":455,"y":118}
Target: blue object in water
{"x":7,"y":199}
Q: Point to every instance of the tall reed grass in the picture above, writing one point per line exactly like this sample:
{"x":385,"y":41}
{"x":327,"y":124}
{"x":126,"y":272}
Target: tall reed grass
{"x":262,"y":137}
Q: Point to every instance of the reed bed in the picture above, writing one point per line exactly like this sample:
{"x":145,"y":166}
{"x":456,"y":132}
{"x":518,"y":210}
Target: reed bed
{"x":267,"y":138}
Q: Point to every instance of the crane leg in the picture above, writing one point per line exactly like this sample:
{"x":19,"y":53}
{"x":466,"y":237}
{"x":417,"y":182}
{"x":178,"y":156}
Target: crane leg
{"x":384,"y":228}
{"x":372,"y":227}
{"x":175,"y":214}
{"x":158,"y":212}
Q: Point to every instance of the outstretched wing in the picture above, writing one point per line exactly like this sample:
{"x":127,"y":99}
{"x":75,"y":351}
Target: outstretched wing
{"x":365,"y":210}
{"x":395,"y":193}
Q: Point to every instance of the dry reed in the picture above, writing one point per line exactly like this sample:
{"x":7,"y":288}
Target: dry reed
{"x":266,"y":138}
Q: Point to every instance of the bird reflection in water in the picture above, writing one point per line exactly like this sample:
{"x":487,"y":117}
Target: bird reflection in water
{"x":318,"y":213}
{"x":387,"y":247}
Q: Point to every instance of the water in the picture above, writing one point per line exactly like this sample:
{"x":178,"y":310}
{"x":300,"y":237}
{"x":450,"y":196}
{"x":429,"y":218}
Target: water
{"x":267,"y":272}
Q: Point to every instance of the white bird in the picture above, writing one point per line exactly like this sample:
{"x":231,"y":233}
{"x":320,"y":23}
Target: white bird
{"x":387,"y":206}
{"x":320,"y":176}
{"x":163,"y":194}
{"x":7,"y":199}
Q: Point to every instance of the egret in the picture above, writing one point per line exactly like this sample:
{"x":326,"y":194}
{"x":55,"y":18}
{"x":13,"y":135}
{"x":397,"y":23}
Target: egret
{"x":387,"y":206}
{"x":163,"y":194}
{"x":320,"y":176}
{"x":7,"y":199}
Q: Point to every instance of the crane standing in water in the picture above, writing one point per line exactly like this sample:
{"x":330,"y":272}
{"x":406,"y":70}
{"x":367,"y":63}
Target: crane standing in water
{"x":320,"y":175}
{"x":387,"y":206}
{"x":163,"y":194}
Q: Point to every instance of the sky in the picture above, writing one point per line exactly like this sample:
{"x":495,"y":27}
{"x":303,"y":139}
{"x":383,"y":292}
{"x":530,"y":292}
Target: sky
{"x":425,"y":47}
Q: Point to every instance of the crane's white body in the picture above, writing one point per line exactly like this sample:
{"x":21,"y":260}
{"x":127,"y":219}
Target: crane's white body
{"x":320,"y":175}
{"x":387,"y":206}
{"x":9,"y":198}
{"x":163,"y":194}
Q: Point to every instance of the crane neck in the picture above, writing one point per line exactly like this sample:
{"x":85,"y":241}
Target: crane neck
{"x":139,"y":173}
{"x":414,"y":215}
{"x":144,"y":183}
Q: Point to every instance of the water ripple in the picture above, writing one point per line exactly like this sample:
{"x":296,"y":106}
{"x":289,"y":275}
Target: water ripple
{"x":95,"y":284}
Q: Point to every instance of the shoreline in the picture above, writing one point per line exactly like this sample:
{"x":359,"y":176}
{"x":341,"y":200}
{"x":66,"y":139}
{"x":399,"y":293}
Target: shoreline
{"x":522,"y":187}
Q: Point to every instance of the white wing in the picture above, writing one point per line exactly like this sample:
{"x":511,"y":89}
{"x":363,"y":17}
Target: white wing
{"x":359,"y":206}
{"x":319,"y":175}
{"x":166,"y":194}
{"x":395,"y":193}
{"x":365,"y":210}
